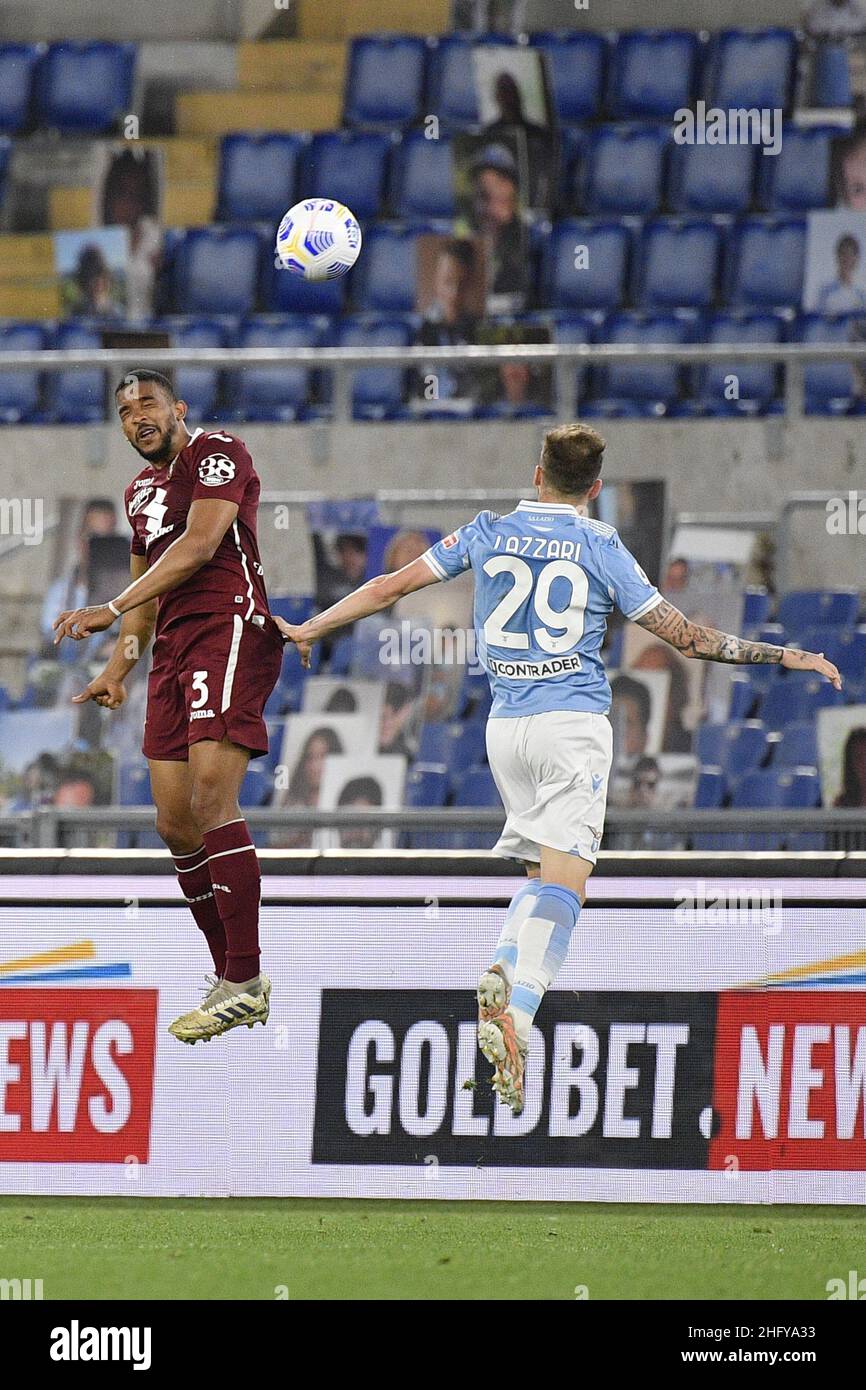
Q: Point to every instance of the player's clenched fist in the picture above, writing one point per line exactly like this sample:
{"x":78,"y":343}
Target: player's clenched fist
{"x":79,"y":623}
{"x":110,"y":694}
{"x":292,"y":633}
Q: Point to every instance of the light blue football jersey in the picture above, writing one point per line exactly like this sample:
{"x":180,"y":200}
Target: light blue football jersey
{"x":546,"y":579}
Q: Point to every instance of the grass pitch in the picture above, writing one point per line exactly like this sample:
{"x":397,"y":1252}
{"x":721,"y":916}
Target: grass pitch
{"x":90,"y":1248}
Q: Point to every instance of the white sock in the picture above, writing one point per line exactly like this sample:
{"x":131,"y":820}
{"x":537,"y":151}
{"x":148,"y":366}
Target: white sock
{"x":542,"y":945}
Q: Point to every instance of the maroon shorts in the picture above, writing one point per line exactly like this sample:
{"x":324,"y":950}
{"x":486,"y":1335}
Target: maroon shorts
{"x":210,"y":679}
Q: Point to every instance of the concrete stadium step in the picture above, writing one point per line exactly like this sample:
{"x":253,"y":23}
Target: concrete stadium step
{"x":220,"y":113}
{"x":304,"y":66}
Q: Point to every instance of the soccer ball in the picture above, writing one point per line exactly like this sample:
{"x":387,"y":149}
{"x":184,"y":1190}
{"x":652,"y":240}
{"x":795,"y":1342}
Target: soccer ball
{"x":319,"y":239}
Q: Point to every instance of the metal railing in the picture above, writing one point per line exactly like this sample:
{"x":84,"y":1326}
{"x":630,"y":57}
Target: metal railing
{"x":563,"y":358}
{"x":52,"y":827}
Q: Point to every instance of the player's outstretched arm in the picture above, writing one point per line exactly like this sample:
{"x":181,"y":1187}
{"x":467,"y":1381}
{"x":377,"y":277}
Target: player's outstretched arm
{"x":372,"y":597}
{"x":708,"y":644}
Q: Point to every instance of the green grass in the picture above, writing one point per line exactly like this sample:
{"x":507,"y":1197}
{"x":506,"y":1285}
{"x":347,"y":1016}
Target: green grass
{"x":245,"y":1248}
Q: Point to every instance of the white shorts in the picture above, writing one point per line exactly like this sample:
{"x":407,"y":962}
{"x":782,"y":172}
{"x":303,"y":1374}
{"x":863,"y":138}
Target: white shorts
{"x":551,"y":771}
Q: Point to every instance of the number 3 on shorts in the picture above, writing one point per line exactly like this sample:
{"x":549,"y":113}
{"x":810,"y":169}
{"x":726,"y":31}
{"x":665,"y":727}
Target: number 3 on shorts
{"x":199,"y":684}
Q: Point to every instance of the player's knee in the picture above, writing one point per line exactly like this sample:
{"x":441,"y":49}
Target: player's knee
{"x":208,"y":802}
{"x":180,"y":836}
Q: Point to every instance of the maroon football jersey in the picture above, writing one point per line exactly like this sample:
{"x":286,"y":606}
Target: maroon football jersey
{"x":212,"y":464}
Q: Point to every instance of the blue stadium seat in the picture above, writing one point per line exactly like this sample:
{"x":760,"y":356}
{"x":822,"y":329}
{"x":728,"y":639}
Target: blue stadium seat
{"x":744,"y":697}
{"x":710,"y":745}
{"x":84,"y":87}
{"x":798,"y":177}
{"x":17,"y":66}
{"x":257,"y":786}
{"x":422,"y":180}
{"x":797,"y":745}
{"x":710,"y":789}
{"x":5,"y":151}
{"x":258,"y":176}
{"x":292,"y":608}
{"x":385,"y":81}
{"x":576,"y":68}
{"x":133,"y":787}
{"x":652,"y":73}
{"x":575,"y":328}
{"x":349,"y":165}
{"x":745,"y":746}
{"x":678,"y":264}
{"x":384,"y":281}
{"x":198,"y":386}
{"x":275,"y":393}
{"x":756,"y":606}
{"x":451,"y":90}
{"x":711,"y":178}
{"x":377,"y":393}
{"x":601,"y":283}
{"x":755,"y":384}
{"x":20,"y":390}
{"x":786,"y":702}
{"x":656,"y":385}
{"x":76,"y":396}
{"x":830,"y":387}
{"x":849,"y":654}
{"x":765,"y":263}
{"x":751,"y":68}
{"x":477,"y":788}
{"x":573,"y":144}
{"x":470,"y":747}
{"x":435,"y":744}
{"x":287,"y":293}
{"x":623,"y":169}
{"x":216,"y":271}
{"x":426,"y":786}
{"x":808,"y":608}
{"x":831,"y":76}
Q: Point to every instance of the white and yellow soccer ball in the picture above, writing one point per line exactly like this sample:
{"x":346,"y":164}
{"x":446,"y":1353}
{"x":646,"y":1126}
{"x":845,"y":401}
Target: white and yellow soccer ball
{"x":318,"y":239}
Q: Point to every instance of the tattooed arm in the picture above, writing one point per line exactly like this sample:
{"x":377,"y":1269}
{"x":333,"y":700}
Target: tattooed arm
{"x":708,"y":644}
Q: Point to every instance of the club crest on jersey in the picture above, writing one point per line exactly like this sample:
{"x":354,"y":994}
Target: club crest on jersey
{"x":215,"y":470}
{"x":139,"y":500}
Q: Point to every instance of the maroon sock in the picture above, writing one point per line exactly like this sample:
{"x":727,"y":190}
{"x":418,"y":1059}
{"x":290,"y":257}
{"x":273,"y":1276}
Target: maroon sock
{"x":237,"y":884}
{"x":193,"y":875}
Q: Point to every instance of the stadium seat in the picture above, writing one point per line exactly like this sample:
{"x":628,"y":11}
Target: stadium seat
{"x":809,"y":608}
{"x":585,"y":265}
{"x":743,"y":697}
{"x":831,"y":76}
{"x":426,"y":786}
{"x":477,"y":788}
{"x":677,"y":264}
{"x":436,"y":744}
{"x":756,"y":606}
{"x":797,"y":745}
{"x":786,"y":702}
{"x":652,"y":73}
{"x":656,"y":385}
{"x":275,"y":393}
{"x":765,"y":262}
{"x":287,"y":293}
{"x":451,"y":86}
{"x":17,"y":66}
{"x":20,"y":390}
{"x":84,"y":87}
{"x":385,"y":81}
{"x":470,"y":748}
{"x":575,"y":328}
{"x":576,"y":68}
{"x":76,"y":396}
{"x":133,"y":785}
{"x":622,"y":173}
{"x":258,"y":176}
{"x":710,"y":789}
{"x":711,"y":178}
{"x":198,"y":386}
{"x":710,"y":744}
{"x":830,"y":387}
{"x":5,"y":151}
{"x":798,"y":177}
{"x":292,"y":608}
{"x":216,"y":271}
{"x":257,"y":786}
{"x":377,"y":392}
{"x":731,"y":388}
{"x":422,"y":180}
{"x":384,"y":281}
{"x":751,"y":68}
{"x":849,"y":654}
{"x":349,"y":165}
